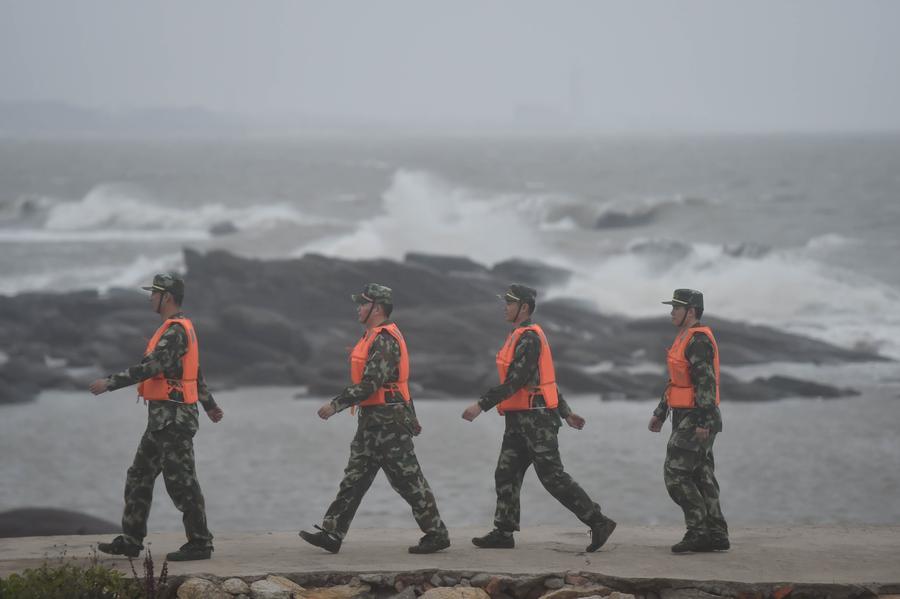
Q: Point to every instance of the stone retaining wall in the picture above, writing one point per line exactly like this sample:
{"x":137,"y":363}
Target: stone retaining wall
{"x":441,"y":584}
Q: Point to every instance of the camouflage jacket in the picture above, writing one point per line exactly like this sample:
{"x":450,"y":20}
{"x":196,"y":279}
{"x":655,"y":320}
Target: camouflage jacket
{"x":524,"y":371}
{"x":699,"y":352}
{"x":166,"y":358}
{"x":382,"y":366}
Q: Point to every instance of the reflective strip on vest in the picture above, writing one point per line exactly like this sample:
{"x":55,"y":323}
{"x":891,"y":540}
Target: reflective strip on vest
{"x":360,"y":355}
{"x":523,"y":399}
{"x":159,"y":387}
{"x":680,"y":391}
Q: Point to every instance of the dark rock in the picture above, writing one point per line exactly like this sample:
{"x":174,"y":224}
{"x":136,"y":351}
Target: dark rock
{"x":777,"y":387}
{"x":533,"y":274}
{"x":446,"y":264}
{"x":663,"y":248}
{"x":20,"y":370}
{"x":292,"y":322}
{"x":17,"y":392}
{"x":272,"y":328}
{"x":746,"y":250}
{"x":42,"y":522}
{"x":613,"y":219}
{"x":225,"y":227}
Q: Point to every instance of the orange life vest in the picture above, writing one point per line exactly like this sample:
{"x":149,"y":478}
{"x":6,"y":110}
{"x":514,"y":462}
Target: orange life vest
{"x":524,"y":397}
{"x":360,"y":355}
{"x":680,"y":392}
{"x":159,"y":387}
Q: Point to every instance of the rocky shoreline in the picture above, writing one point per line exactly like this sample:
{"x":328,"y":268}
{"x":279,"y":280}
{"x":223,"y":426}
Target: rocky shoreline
{"x":290,"y":322}
{"x":440,"y":584}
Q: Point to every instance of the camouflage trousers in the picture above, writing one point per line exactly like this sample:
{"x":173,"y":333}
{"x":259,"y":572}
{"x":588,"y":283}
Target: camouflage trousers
{"x":690,"y":477}
{"x":389,"y":448}
{"x":170,"y":451}
{"x":517,"y":453}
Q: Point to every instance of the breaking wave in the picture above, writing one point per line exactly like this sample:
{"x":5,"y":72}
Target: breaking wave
{"x":424,"y":213}
{"x":124,"y":212}
{"x":645,"y":212}
{"x":788,"y":288}
{"x":94,"y":276}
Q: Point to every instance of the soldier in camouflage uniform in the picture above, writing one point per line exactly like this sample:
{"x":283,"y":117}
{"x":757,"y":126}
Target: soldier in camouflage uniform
{"x":689,"y":470}
{"x":386,"y":425}
{"x":167,"y":443}
{"x":531,"y":431}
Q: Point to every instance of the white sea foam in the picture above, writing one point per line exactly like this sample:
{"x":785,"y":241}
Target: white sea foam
{"x":422,"y":212}
{"x":123,"y":212}
{"x":100,"y":277}
{"x":98,"y":236}
{"x":831,"y":241}
{"x":779,"y":288}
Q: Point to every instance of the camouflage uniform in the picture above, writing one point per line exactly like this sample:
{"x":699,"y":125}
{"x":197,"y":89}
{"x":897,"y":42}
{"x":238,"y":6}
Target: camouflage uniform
{"x":383,"y":441}
{"x":689,"y":470}
{"x":167,"y":444}
{"x":531,"y":438}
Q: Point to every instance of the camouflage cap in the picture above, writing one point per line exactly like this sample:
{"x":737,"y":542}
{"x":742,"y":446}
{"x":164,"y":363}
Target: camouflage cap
{"x":686,"y":297}
{"x":169,"y":282}
{"x":519,"y":293}
{"x":374,"y":293}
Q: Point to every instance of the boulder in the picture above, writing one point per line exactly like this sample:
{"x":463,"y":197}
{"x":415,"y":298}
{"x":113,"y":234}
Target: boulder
{"x":531,"y":273}
{"x":16,"y":392}
{"x":446,"y":264}
{"x":578,"y":592}
{"x":341,"y":591}
{"x":455,"y":593}
{"x":200,"y":588}
{"x":275,"y":587}
{"x":236,"y":586}
{"x":225,"y":227}
{"x":44,"y":522}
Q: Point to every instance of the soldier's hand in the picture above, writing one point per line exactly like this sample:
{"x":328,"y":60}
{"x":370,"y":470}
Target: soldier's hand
{"x":326,"y":411}
{"x":215,"y":414}
{"x":702,"y":434}
{"x":99,"y":386}
{"x":472,"y":412}
{"x":575,"y":421}
{"x":655,"y":424}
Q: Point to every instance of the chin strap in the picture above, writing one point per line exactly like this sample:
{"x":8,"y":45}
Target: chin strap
{"x":369,"y":313}
{"x":516,"y":317}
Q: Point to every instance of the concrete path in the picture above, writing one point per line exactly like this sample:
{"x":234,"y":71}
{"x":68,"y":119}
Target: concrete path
{"x":801,"y":554}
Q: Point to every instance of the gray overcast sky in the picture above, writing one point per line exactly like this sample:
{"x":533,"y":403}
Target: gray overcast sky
{"x":625,"y":65}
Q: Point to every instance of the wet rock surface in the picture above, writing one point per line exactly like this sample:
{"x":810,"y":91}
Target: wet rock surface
{"x":39,"y":522}
{"x":290,"y":322}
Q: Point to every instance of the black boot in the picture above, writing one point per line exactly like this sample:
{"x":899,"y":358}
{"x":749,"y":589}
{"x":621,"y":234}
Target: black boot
{"x":119,"y":546}
{"x":324,"y":539}
{"x":691,"y":542}
{"x":496,"y":539}
{"x":718,"y":544}
{"x":600,"y":532}
{"x":191,"y":551}
{"x":430,"y":543}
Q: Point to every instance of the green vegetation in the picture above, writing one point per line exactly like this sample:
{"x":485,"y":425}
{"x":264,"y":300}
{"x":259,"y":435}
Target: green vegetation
{"x":70,"y":580}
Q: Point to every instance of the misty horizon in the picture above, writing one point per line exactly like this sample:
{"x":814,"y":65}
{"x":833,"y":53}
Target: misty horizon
{"x":612,"y":67}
